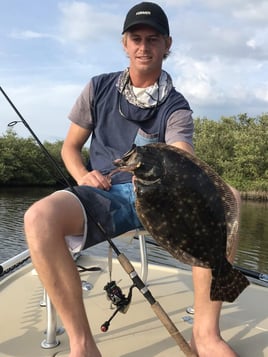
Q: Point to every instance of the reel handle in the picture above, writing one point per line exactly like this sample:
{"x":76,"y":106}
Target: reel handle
{"x":105,"y":326}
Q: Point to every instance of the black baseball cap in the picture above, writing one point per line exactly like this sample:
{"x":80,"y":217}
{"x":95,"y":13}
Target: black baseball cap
{"x":147,"y":13}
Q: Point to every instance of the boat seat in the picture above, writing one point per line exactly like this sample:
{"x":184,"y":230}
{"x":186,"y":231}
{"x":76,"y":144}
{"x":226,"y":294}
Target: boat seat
{"x":52,"y":330}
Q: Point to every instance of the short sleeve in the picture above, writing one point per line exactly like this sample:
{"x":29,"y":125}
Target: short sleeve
{"x":81,"y":113}
{"x":180,"y":127}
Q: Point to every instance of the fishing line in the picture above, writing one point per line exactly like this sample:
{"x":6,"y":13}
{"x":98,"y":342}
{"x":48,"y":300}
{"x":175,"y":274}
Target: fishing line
{"x":123,"y":260}
{"x":48,"y":155}
{"x":55,"y":164}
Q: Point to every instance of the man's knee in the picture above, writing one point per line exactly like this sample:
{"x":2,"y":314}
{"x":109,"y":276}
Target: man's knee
{"x":32,"y":216}
{"x":36,"y":219}
{"x":54,"y":217}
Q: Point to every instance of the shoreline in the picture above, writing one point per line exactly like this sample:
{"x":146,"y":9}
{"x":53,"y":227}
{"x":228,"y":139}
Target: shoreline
{"x":260,"y":196}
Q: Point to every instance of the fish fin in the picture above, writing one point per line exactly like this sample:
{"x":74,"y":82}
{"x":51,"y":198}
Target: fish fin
{"x":228,"y":287}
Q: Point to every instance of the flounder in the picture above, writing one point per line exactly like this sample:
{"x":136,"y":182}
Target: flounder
{"x":189,"y":211}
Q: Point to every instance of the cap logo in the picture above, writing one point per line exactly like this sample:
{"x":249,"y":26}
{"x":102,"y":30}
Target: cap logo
{"x":143,"y":13}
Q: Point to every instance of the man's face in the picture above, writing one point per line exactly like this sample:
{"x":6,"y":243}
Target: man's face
{"x":146,"y":48}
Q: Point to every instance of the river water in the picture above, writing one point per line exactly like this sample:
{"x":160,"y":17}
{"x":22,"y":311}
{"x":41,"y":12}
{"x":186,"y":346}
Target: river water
{"x":252,"y":250}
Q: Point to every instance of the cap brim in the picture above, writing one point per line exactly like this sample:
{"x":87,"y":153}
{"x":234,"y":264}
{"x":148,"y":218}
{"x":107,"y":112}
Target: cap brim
{"x":152,"y":24}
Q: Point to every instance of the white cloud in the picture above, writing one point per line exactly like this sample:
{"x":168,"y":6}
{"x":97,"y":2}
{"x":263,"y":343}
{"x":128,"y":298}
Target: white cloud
{"x":82,"y":22}
{"x":166,"y":3}
{"x":262,"y":93}
{"x":196,"y":80}
{"x":44,"y":107}
{"x":216,"y":87}
{"x":28,"y":34}
{"x":254,"y":11}
{"x":251,"y":43}
{"x":218,"y":61}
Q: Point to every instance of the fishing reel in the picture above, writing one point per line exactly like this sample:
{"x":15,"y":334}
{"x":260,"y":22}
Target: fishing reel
{"x":118,"y":299}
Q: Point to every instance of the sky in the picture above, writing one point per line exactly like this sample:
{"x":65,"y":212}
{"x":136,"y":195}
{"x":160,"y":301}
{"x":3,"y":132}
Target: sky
{"x":50,"y":49}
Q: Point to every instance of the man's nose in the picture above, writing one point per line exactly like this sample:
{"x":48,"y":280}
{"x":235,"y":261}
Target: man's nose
{"x":144,"y":45}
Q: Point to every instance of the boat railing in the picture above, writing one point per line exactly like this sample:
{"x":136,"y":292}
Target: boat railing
{"x":14,"y":262}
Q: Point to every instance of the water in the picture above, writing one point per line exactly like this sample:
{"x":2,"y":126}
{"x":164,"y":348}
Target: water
{"x":253,"y":245}
{"x":252,"y":251}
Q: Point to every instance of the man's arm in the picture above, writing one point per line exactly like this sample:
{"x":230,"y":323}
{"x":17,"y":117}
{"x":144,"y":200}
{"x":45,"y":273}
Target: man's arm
{"x":184,"y":146}
{"x":72,"y":156}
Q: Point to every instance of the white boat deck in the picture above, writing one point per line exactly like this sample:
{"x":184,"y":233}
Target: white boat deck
{"x":136,"y":333}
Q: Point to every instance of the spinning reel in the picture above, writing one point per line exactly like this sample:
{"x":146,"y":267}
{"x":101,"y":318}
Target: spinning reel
{"x":115,"y":295}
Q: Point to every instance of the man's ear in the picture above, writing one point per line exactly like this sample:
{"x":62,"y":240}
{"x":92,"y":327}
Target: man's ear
{"x":168,"y":43}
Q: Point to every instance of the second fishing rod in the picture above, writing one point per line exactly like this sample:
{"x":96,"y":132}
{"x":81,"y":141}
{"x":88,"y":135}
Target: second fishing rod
{"x":123,"y":260}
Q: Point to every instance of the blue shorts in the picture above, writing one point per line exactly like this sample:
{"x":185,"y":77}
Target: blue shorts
{"x":114,"y":210}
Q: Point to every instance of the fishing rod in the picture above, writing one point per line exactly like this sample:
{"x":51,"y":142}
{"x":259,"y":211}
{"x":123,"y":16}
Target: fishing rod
{"x":123,"y":260}
{"x":45,"y":151}
{"x":261,"y":277}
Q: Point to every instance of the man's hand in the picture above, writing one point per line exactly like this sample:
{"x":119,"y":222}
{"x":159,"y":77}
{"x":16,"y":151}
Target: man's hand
{"x":95,"y":179}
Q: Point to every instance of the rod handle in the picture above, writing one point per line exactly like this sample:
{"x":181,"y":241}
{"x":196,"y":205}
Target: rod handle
{"x":172,"y":329}
{"x":125,"y":263}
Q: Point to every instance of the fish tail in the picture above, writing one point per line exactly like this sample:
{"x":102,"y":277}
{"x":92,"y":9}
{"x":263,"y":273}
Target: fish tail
{"x":229,"y":286}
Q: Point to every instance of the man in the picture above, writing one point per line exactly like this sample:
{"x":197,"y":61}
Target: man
{"x":138,"y":105}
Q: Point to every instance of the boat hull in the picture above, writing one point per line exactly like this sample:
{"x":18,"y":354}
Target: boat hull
{"x":138,"y":332}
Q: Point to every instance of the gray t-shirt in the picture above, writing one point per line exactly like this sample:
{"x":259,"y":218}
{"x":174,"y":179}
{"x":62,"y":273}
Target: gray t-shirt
{"x":117,"y":121}
{"x":179,"y":125}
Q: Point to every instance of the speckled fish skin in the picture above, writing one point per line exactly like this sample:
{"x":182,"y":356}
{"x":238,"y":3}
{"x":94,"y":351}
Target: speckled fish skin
{"x":189,"y":210}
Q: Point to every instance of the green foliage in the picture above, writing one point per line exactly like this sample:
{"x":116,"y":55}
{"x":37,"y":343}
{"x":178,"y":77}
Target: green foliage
{"x":22,"y":162}
{"x":19,"y":160}
{"x":235,"y":147}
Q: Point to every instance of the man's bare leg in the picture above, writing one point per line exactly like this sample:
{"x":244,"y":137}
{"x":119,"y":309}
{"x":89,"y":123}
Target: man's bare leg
{"x":46,"y":224}
{"x":206,"y":339}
